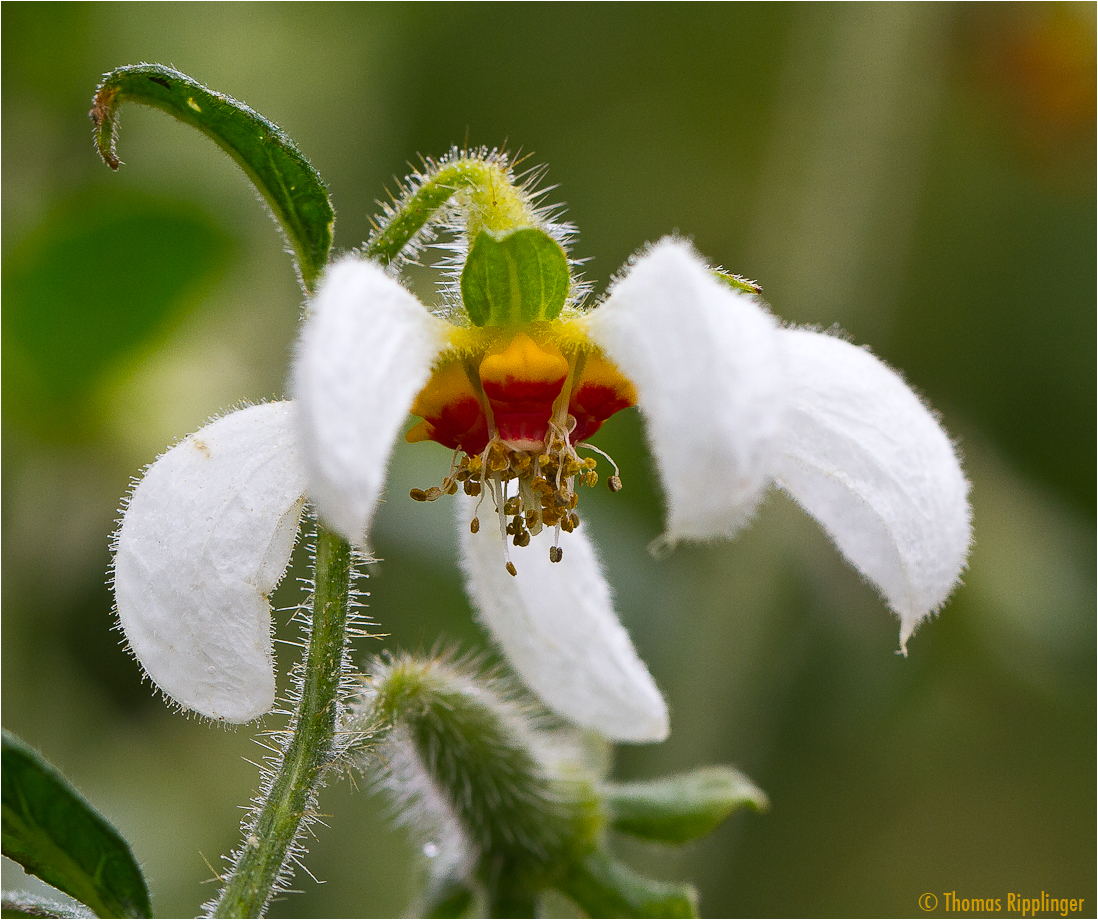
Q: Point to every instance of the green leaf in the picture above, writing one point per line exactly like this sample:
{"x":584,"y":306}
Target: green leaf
{"x":513,"y":279}
{"x":102,"y":276}
{"x":291,"y":187}
{"x":683,"y":807}
{"x":53,"y":833}
{"x":24,"y":904}
{"x":604,"y":887}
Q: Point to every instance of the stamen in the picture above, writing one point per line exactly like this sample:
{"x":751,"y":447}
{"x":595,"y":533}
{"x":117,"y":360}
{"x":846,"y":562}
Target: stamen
{"x":610,"y":460}
{"x":544,"y":492}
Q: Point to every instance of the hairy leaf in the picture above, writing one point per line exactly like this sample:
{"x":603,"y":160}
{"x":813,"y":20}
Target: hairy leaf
{"x":288,"y":183}
{"x":54,"y":834}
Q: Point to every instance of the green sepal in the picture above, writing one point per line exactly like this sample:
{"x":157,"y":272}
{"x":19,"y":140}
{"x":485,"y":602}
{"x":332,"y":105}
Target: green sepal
{"x":290,"y":186}
{"x":680,"y":808}
{"x":604,"y":887}
{"x":738,"y":282}
{"x":54,"y":834}
{"x":516,"y":278}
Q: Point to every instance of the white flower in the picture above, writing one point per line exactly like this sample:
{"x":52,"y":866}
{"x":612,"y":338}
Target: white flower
{"x":732,"y":403}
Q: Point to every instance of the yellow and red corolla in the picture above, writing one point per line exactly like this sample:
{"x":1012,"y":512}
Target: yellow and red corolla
{"x":732,"y":402}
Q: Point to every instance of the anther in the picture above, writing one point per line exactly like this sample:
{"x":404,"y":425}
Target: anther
{"x":555,"y":554}
{"x":471,"y":488}
{"x":474,"y":525}
{"x":432,"y":494}
{"x":511,"y":569}
{"x":614,"y":483}
{"x":591,"y":478}
{"x":451,"y":487}
{"x":418,"y":495}
{"x":522,"y":538}
{"x":512,"y":505}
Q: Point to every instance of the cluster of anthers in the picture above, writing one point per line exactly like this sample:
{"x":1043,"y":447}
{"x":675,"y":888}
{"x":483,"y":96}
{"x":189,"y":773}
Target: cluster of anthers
{"x":515,"y":418}
{"x":544,"y":487}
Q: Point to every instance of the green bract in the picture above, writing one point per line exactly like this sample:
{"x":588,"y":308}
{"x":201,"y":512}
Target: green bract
{"x":515,"y":278}
{"x":681,"y":808}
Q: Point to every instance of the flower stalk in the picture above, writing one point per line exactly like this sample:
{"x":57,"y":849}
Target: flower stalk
{"x":494,"y":203}
{"x":290,"y":799}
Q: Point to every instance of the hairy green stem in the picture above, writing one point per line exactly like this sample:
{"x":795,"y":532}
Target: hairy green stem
{"x":310,"y":749}
{"x":497,"y":204}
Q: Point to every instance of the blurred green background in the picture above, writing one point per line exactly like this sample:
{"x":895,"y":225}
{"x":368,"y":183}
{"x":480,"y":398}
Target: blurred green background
{"x":921,"y":175}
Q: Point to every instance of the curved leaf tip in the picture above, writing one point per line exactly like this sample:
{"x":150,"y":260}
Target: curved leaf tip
{"x":288,"y":183}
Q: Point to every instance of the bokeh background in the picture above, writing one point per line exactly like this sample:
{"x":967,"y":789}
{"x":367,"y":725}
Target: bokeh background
{"x":922,"y":176}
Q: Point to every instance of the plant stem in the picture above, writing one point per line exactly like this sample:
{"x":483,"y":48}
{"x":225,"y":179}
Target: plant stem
{"x":292,"y":792}
{"x":498,"y":204}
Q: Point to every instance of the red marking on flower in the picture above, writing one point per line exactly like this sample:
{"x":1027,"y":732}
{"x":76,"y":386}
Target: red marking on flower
{"x":521,"y":410}
{"x":522,"y":380}
{"x":600,"y":392}
{"x":461,"y":423}
{"x":591,"y":405}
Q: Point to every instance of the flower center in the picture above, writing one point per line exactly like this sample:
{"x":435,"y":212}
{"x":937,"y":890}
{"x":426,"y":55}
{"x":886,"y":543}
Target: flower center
{"x":514,"y":415}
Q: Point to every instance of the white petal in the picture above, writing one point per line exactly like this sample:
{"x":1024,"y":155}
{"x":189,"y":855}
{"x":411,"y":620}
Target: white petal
{"x":206,"y":536}
{"x":871,"y":463}
{"x":557,"y":626}
{"x":709,"y":380}
{"x":365,"y":353}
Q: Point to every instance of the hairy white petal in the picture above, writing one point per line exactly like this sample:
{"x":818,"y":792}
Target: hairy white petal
{"x":205,"y":539}
{"x":870,"y":462}
{"x":710,"y":384}
{"x":364,"y":354}
{"x":557,"y":626}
